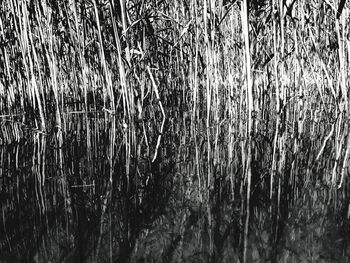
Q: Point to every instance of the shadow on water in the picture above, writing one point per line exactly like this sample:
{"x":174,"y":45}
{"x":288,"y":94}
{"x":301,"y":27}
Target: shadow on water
{"x":97,"y":197}
{"x":76,"y":203}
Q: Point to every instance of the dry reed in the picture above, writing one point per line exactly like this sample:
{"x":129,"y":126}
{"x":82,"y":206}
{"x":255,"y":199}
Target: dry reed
{"x":251,"y":71}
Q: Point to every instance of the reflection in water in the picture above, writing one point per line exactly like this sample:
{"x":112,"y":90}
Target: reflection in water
{"x":96,"y":196}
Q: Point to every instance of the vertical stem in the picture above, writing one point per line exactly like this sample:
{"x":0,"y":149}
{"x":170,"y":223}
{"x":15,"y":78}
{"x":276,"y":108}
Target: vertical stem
{"x":249,"y":99}
{"x":103,"y":60}
{"x":208,"y":86}
{"x":195,"y":85}
{"x":341,"y":57}
{"x":276,"y":58}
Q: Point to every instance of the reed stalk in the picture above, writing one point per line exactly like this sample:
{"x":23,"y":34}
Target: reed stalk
{"x":245,"y":72}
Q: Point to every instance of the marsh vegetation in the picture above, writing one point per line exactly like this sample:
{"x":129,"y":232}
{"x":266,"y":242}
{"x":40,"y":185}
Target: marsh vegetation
{"x":180,"y":131}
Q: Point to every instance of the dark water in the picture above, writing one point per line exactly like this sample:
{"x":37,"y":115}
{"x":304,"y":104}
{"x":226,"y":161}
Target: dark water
{"x":98,"y":197}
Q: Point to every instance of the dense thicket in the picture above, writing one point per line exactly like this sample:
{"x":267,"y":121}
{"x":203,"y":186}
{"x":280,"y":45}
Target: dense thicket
{"x":272,"y":72}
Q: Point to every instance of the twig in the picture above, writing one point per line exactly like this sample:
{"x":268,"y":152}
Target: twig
{"x":325,"y":142}
{"x":163,"y":113}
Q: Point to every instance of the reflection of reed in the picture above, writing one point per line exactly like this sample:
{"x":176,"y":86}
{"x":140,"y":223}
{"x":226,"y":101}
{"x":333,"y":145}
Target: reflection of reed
{"x":39,"y":170}
{"x":102,"y":210}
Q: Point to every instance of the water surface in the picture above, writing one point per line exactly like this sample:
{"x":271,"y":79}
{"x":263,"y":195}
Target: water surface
{"x":98,"y":197}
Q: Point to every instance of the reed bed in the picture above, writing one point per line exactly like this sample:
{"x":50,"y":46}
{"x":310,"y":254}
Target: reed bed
{"x":254,"y":74}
